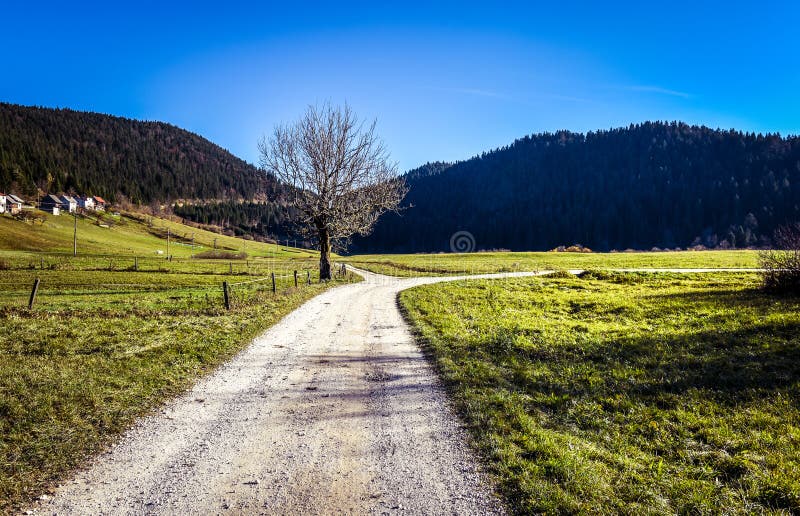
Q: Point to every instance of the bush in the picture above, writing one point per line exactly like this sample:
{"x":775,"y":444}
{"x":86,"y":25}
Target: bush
{"x":216,"y":254}
{"x":781,"y":266}
{"x":575,"y":248}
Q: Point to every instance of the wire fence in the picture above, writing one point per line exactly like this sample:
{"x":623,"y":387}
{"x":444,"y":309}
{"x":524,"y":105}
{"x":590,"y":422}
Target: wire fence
{"x":58,"y":291}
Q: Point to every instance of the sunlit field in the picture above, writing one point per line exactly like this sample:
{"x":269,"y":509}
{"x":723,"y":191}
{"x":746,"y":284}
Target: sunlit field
{"x":128,"y":234}
{"x":479,"y":263}
{"x":625,"y":392}
{"x":113,"y":333}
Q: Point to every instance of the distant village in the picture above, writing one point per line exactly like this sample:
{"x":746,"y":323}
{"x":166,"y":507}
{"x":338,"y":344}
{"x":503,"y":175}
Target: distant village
{"x":52,"y":204}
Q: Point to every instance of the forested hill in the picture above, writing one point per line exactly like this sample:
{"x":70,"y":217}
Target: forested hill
{"x":61,"y":150}
{"x":654,"y":184}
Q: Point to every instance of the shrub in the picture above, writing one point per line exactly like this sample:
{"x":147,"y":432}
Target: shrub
{"x":575,"y":248}
{"x":781,"y":265}
{"x":562,"y":274}
{"x":216,"y":254}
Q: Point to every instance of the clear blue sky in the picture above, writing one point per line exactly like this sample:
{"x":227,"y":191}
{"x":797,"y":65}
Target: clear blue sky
{"x":445,"y":81}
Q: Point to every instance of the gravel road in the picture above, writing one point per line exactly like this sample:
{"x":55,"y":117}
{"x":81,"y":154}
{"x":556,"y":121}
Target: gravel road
{"x":333,"y":410}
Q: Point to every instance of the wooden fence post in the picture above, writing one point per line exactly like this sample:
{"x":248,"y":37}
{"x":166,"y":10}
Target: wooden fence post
{"x":308,"y":277}
{"x":230,"y":267}
{"x":226,"y":295}
{"x":33,"y":293}
{"x":41,"y":263}
{"x":136,"y":263}
{"x":295,"y":279}
{"x":273,"y":283}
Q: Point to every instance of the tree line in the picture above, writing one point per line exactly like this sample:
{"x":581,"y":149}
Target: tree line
{"x":61,"y":150}
{"x":653,"y":184}
{"x":270,"y":220}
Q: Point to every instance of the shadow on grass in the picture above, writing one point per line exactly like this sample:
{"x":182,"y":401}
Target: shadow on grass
{"x":732,"y":364}
{"x":713,"y":367}
{"x":729,"y":297}
{"x":738,"y":365}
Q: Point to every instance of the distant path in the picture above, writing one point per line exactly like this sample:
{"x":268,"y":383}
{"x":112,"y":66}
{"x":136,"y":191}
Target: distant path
{"x":332,"y":410}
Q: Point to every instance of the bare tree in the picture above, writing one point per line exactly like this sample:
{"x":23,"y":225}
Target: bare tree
{"x":781,"y":266}
{"x":339,"y":174}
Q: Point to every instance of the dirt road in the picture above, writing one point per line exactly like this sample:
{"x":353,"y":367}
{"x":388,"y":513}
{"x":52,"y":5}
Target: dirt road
{"x":333,"y":410}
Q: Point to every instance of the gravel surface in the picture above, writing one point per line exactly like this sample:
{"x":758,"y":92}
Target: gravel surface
{"x":332,"y":410}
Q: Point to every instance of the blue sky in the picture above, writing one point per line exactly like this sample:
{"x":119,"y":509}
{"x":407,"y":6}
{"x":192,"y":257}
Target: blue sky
{"x":446,"y":81}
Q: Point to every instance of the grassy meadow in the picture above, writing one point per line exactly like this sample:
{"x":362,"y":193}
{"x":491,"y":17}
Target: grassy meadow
{"x":405,"y":265}
{"x":624,"y":393}
{"x":125,"y":234}
{"x":106,"y":343}
{"x":613,"y":392}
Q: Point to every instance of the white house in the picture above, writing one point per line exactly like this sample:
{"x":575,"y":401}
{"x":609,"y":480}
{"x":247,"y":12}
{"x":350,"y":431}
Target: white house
{"x":99,"y":203}
{"x":69,"y":203}
{"x":87,"y":203}
{"x":2,"y":203}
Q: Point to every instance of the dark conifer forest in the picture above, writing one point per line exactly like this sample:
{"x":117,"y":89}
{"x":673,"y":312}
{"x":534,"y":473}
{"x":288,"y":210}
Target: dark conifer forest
{"x":60,"y":150}
{"x":258,"y":219}
{"x":655,"y":184}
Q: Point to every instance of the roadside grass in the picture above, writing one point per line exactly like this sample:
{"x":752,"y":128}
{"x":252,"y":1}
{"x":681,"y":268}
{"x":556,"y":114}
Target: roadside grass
{"x":624,"y":392}
{"x":125,"y":234}
{"x":36,"y":262}
{"x":103,"y":347}
{"x":405,"y":265}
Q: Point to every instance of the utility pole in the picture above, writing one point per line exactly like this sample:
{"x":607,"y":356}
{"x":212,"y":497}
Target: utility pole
{"x":75,"y":235}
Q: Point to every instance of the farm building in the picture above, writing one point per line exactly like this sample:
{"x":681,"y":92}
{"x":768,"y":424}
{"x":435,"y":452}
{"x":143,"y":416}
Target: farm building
{"x":51,"y":204}
{"x":69,"y":203}
{"x":87,"y":203}
{"x":99,"y":203}
{"x":2,"y":203}
{"x":14,"y":204}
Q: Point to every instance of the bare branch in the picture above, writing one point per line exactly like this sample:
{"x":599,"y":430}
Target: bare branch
{"x":339,"y":171}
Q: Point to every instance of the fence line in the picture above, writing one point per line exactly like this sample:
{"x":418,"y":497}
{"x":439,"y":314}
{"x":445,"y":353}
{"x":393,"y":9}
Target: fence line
{"x":100,"y":289}
{"x":250,"y":281}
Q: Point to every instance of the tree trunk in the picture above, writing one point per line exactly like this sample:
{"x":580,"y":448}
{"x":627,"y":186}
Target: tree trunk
{"x":324,"y":255}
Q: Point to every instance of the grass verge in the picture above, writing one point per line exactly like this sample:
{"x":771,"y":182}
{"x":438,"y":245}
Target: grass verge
{"x":101,"y":348}
{"x":624,"y":393}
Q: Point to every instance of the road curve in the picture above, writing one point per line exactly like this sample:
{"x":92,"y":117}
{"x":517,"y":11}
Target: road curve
{"x":333,"y":410}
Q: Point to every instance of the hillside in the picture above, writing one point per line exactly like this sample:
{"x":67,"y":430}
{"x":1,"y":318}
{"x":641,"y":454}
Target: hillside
{"x":654,"y":184}
{"x":127,"y":234}
{"x":94,"y":154}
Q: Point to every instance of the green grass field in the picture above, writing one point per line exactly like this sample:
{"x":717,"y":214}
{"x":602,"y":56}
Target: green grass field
{"x":611,"y":393}
{"x":479,"y":263}
{"x":127,"y":234}
{"x":624,"y":392}
{"x":105,"y":343}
